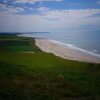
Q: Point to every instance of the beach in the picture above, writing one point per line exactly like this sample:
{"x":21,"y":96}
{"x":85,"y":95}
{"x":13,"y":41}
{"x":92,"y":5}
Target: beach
{"x":66,"y":51}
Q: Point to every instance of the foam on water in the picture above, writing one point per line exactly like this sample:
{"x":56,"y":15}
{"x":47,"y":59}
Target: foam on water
{"x":68,"y":45}
{"x":76,"y":48}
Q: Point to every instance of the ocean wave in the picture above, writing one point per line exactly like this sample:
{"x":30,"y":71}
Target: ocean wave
{"x":68,"y":45}
{"x":76,"y":48}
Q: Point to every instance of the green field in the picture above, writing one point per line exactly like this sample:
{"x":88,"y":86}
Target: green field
{"x":42,"y":76}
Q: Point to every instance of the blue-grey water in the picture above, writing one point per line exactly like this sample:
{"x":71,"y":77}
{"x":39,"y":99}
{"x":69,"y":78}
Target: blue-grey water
{"x":87,"y":40}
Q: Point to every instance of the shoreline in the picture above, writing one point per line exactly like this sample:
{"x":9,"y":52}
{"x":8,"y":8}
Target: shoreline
{"x":76,"y":48}
{"x":66,"y":51}
{"x":65,"y":44}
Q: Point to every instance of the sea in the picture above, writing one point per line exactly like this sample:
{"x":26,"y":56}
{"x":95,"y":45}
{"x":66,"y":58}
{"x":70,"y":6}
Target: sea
{"x":88,"y":41}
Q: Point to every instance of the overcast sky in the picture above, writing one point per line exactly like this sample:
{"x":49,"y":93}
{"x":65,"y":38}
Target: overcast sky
{"x":49,"y":15}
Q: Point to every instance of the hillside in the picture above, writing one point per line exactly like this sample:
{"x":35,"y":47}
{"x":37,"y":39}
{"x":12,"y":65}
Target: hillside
{"x":27,"y":73}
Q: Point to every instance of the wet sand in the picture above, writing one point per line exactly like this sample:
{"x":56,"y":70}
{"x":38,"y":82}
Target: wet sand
{"x":65,"y":52}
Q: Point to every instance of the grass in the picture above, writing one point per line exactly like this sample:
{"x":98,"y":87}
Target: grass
{"x":43,"y":76}
{"x":17,"y":44}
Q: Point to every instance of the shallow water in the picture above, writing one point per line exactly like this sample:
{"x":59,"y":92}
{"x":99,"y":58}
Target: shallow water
{"x":87,"y":40}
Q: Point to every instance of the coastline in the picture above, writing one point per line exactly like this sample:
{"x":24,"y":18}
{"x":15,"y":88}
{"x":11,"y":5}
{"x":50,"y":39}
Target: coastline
{"x":66,"y":51}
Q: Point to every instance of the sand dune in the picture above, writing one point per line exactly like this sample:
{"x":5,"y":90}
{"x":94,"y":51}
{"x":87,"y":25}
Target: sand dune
{"x":65,"y":52}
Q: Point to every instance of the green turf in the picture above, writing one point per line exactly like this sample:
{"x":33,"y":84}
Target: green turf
{"x":43,"y":76}
{"x":17,"y":45}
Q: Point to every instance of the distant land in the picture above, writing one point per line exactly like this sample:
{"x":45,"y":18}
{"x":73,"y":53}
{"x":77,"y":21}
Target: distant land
{"x":20,"y":32}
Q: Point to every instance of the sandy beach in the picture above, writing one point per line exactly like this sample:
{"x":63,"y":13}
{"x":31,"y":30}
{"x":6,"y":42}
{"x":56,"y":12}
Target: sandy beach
{"x":66,"y":52}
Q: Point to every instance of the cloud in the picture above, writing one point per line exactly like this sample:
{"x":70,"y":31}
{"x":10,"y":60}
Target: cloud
{"x":50,"y":20}
{"x":2,"y":6}
{"x":10,"y":22}
{"x":63,"y":14}
{"x":10,"y":9}
{"x":98,"y":2}
{"x":42,"y":18}
{"x":13,"y":10}
{"x":27,"y":23}
{"x":43,"y":9}
{"x":24,"y":1}
{"x":34,"y":1}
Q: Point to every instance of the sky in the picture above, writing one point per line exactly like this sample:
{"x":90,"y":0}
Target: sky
{"x":49,"y":15}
